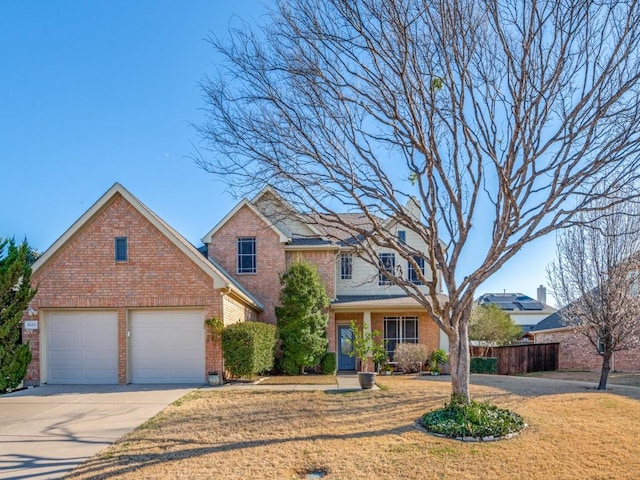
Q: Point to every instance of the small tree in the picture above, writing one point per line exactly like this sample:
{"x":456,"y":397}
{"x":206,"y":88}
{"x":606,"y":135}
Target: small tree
{"x":302,"y":323}
{"x":596,"y":277}
{"x":491,"y":326}
{"x":366,"y":342}
{"x":15,"y":295}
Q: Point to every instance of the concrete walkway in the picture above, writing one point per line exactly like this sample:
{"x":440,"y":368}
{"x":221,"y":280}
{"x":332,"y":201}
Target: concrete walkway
{"x":344,"y":383}
{"x":47,"y":431}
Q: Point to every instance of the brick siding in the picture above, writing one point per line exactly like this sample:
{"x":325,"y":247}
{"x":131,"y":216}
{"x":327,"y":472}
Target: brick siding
{"x":83,"y":274}
{"x":270,"y":261}
{"x":577,"y":353}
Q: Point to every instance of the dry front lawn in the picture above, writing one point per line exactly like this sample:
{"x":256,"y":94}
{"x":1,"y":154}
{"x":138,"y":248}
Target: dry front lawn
{"x":574,"y":433}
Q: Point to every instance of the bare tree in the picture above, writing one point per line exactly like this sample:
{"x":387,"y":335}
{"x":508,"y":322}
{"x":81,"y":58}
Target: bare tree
{"x":503,"y":118}
{"x":596,"y":276}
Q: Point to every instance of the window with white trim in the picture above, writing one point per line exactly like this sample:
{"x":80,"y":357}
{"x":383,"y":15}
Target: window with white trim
{"x":387,"y":264}
{"x":346,"y":266}
{"x":402,"y":236}
{"x":413,"y":274}
{"x":399,"y":330}
{"x":247,"y":255}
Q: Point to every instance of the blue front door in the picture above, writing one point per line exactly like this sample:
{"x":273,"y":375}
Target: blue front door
{"x":345,"y":347}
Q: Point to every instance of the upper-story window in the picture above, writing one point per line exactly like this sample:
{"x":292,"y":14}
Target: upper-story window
{"x":402,"y":236}
{"x":247,"y":255}
{"x":388,"y":264}
{"x":121,"y":253}
{"x":413,"y":274}
{"x":346,"y":266}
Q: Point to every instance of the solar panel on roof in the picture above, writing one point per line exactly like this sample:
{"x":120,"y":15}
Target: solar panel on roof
{"x":505,"y":305}
{"x":532,"y":305}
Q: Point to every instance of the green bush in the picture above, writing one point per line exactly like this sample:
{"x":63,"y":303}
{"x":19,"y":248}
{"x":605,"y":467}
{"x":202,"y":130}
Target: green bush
{"x":248,"y":348}
{"x":474,"y":419}
{"x":484,"y":365}
{"x":328,"y":364}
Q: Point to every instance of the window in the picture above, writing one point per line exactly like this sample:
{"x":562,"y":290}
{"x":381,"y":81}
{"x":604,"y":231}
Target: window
{"x":247,"y":255}
{"x":121,"y":249}
{"x":399,"y":330}
{"x":387,"y":264}
{"x":346,"y":266}
{"x":402,"y":236}
{"x":413,"y":274}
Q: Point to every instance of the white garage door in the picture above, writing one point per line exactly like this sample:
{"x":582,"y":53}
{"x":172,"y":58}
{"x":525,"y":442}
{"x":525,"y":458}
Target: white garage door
{"x":82,"y":347}
{"x":167,"y":346}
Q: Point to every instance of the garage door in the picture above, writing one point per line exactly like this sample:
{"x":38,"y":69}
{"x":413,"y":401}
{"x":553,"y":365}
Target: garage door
{"x":82,"y":347}
{"x":167,"y":346}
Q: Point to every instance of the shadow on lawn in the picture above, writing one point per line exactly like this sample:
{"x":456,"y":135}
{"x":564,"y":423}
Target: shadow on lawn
{"x":107,"y":466}
{"x":532,"y":387}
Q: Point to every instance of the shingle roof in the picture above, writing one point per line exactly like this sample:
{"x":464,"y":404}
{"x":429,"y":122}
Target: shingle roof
{"x":552,"y":322}
{"x":309,"y":241}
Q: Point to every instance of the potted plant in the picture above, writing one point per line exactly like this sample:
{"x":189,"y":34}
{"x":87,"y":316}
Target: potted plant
{"x":386,"y":369}
{"x":438,"y":358}
{"x":363,"y":344}
{"x":215,"y":326}
{"x":214,"y":379}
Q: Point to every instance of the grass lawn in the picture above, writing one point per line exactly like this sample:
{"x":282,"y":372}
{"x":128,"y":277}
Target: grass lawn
{"x":574,"y":433}
{"x":615,"y":378}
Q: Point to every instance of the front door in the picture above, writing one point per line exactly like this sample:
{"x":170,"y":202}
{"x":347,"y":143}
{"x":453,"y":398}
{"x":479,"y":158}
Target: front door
{"x":345,"y":347}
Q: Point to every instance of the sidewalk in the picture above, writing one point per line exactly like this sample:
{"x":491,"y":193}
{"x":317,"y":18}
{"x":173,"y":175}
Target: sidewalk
{"x":344,"y":383}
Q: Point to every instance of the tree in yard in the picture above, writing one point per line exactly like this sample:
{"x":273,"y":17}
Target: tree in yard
{"x":501,"y":119}
{"x":15,"y":294}
{"x":596,"y":276}
{"x":491,"y":326}
{"x":302,"y":322}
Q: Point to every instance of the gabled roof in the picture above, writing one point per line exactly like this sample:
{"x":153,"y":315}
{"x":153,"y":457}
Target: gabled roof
{"x":220,"y":278}
{"x":269,"y":190}
{"x":245,"y":203}
{"x":552,"y":322}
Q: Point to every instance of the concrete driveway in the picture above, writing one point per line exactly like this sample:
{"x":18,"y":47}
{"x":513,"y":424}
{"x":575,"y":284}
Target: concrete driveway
{"x":48,"y":430}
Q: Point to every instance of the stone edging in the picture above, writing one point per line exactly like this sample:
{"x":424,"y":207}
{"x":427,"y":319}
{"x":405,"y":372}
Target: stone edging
{"x":489,"y":438}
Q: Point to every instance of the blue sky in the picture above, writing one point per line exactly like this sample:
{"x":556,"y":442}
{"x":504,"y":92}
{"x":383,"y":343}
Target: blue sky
{"x":97,"y":92}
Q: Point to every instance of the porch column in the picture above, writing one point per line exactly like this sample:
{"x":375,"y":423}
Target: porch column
{"x":366,"y":320}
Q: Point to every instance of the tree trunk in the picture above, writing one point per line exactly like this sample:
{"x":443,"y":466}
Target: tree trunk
{"x":604,"y":373}
{"x":459,"y":353}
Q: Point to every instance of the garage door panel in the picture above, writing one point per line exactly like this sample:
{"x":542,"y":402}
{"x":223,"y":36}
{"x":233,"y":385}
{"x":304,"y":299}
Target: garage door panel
{"x":167,"y":346}
{"x":82,"y":347}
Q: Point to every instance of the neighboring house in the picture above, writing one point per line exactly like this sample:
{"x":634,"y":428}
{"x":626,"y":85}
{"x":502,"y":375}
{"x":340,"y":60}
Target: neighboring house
{"x":576,"y":351}
{"x":523,"y":310}
{"x":122,"y":297}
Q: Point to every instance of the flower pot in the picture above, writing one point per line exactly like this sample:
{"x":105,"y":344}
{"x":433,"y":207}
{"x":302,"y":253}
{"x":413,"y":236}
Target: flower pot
{"x":214,"y":379}
{"x":367,"y":380}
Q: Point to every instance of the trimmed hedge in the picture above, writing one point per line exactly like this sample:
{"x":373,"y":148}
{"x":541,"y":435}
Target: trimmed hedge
{"x":484,"y":365}
{"x":248,"y":348}
{"x":328,"y":364}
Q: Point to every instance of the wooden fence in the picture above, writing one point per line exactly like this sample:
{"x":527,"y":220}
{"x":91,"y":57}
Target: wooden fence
{"x":525,"y":358}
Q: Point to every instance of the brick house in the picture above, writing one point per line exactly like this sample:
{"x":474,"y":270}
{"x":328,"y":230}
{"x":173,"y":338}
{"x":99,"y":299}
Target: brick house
{"x":122,"y":297}
{"x":576,"y":352}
